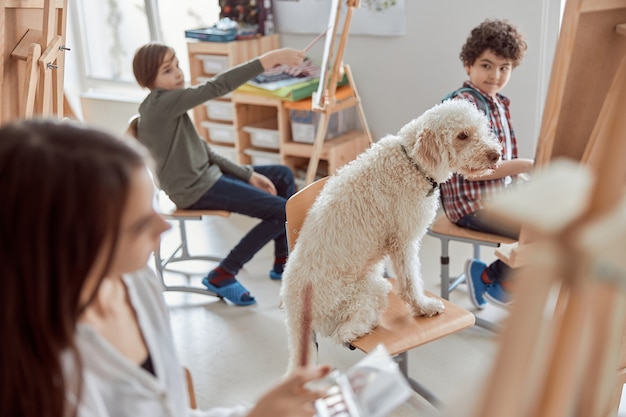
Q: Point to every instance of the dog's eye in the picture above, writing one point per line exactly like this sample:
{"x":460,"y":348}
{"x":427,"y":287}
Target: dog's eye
{"x":463,"y":136}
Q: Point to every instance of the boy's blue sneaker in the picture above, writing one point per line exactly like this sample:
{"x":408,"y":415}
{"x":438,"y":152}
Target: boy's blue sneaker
{"x":498,"y":295}
{"x":276,"y":276}
{"x":473,"y":271}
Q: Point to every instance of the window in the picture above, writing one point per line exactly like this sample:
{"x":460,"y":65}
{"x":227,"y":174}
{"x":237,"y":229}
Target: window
{"x":108,"y":32}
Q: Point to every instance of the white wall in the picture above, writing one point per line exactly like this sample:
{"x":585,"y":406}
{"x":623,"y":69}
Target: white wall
{"x":398,"y":78}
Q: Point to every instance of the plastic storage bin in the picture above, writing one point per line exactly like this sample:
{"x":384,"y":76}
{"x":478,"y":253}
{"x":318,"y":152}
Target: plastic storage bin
{"x":263,"y":157}
{"x":264,"y":134}
{"x":220,"y":110}
{"x":226,"y":151}
{"x":220,"y":132}
{"x":213,"y":64}
{"x":304,"y":124}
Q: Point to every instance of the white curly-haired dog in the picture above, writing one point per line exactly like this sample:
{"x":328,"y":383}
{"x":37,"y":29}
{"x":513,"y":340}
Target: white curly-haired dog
{"x":379,"y":204}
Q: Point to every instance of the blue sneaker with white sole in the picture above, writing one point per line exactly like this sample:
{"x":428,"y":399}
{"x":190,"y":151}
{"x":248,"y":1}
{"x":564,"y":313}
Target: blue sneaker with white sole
{"x":477,"y":288}
{"x":498,"y":295}
{"x":276,"y":276}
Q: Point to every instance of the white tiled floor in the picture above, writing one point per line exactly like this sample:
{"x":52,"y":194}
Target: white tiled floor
{"x":236,"y":353}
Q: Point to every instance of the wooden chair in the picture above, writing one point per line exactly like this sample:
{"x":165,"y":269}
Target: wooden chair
{"x":181,"y":253}
{"x":446,"y":231}
{"x":398,"y":331}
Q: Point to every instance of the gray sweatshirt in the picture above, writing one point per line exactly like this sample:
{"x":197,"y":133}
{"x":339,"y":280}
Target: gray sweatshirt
{"x":186,"y":167}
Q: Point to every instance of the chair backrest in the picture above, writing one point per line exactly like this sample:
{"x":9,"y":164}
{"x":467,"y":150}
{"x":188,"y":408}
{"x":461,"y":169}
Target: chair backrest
{"x":297,"y":208}
{"x":133,"y":124}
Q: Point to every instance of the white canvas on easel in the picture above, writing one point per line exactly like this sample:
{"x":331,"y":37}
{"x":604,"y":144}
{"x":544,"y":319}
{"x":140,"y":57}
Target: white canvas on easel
{"x":318,"y":96}
{"x":324,"y":100}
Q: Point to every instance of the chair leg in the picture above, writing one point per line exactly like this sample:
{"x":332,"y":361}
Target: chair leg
{"x":486,"y":324}
{"x":183,"y":238}
{"x":445,"y":269}
{"x":181,"y":254}
{"x":403,"y":362}
{"x":447,"y":287}
{"x":158,"y":265}
{"x":476,"y":251}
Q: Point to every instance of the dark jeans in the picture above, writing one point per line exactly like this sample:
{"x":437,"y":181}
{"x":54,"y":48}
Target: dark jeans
{"x":498,"y":270}
{"x":238,"y":196}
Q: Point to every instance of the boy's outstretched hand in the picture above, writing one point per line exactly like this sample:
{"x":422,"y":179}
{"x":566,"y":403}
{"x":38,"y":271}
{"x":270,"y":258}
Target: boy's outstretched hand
{"x":290,"y":398}
{"x":283,"y":56}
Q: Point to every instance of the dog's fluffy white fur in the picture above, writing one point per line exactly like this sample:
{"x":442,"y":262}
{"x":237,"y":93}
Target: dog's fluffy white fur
{"x":376,"y":206}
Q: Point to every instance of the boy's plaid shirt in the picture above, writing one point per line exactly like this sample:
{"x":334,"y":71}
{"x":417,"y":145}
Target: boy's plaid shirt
{"x":461,"y":197}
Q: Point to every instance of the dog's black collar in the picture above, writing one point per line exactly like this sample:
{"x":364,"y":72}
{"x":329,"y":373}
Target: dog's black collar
{"x":433,"y":184}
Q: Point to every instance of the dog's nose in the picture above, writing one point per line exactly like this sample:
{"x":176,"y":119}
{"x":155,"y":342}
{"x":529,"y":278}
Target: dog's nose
{"x":493,"y":156}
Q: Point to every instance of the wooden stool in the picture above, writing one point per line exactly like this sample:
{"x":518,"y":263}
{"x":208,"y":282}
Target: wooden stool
{"x":446,"y":231}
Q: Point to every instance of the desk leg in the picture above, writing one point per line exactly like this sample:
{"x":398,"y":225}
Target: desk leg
{"x":402,"y":360}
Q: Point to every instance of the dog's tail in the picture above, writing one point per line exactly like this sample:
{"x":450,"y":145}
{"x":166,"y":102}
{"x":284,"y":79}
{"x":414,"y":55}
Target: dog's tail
{"x":306,"y":329}
{"x":300,"y":333}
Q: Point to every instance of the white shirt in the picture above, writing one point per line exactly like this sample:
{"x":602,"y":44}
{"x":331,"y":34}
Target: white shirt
{"x":114,"y":386}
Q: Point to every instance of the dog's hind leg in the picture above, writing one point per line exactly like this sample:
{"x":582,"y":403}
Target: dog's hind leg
{"x":406,"y":265}
{"x":365,"y":310}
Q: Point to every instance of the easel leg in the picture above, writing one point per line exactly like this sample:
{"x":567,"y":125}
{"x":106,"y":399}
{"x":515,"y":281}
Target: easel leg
{"x":31,"y":81}
{"x":359,"y":106}
{"x":317,"y":147}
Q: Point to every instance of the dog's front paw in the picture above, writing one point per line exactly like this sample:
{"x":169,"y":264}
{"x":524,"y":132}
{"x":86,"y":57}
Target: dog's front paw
{"x":429,"y":307}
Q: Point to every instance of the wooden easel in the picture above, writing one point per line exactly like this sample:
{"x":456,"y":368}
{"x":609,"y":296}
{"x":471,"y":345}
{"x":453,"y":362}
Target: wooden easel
{"x":32,"y":43}
{"x":572,"y":362}
{"x":325,"y":101}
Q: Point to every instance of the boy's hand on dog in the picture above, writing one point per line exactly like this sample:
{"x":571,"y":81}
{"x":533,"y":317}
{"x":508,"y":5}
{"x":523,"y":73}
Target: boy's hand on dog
{"x":262,"y":182}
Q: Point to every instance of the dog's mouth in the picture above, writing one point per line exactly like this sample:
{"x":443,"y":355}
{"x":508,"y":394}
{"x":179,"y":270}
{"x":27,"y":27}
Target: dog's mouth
{"x":485,"y":166}
{"x":472,"y":172}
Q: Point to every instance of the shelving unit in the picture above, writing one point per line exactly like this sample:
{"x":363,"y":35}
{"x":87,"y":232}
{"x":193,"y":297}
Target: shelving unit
{"x":251,"y":109}
{"x":215,"y":120}
{"x":255,"y":129}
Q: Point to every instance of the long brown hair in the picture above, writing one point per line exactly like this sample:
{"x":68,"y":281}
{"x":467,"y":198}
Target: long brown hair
{"x":63,"y":189}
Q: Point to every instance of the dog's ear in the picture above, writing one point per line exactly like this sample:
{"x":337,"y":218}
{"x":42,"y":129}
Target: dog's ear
{"x":427,"y":149}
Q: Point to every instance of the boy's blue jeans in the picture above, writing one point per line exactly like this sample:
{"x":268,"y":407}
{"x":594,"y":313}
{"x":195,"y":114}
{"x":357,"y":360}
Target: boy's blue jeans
{"x":238,"y":196}
{"x":497,"y":271}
